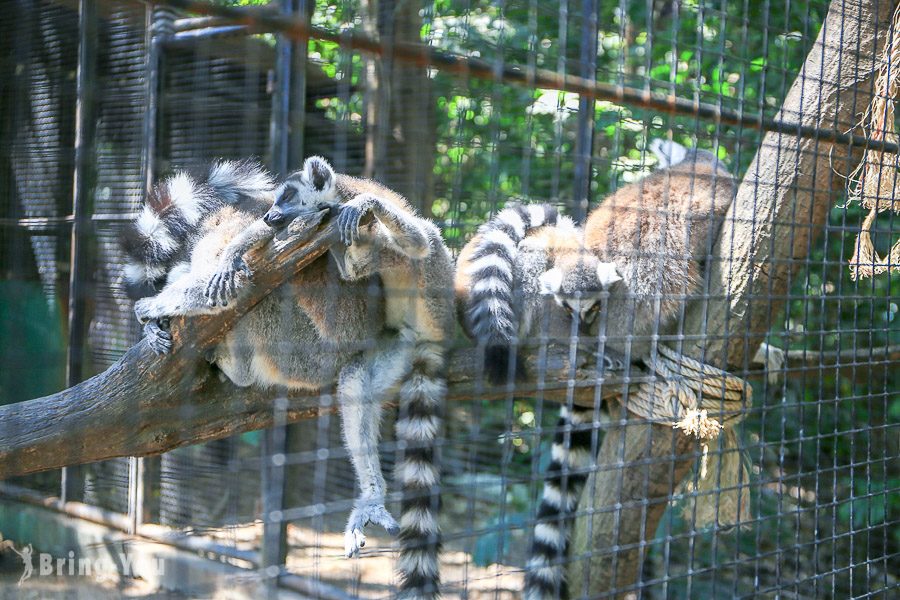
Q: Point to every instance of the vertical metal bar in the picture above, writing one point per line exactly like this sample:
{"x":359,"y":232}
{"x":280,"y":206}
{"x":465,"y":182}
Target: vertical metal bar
{"x":286,"y":152}
{"x":584,"y":138}
{"x":135,"y":493}
{"x":161,"y":26}
{"x":273,"y":548}
{"x":297,"y":112}
{"x":82,"y":189}
{"x":289,"y":97}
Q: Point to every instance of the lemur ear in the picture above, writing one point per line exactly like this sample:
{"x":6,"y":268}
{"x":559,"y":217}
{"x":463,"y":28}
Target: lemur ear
{"x":318,"y":173}
{"x":607,"y":274}
{"x":551,"y":281}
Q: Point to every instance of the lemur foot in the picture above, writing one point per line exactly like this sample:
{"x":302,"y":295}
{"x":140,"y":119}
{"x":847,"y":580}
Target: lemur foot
{"x":156,"y":332}
{"x":366,"y":511}
{"x":349,"y":219}
{"x":225,"y":283}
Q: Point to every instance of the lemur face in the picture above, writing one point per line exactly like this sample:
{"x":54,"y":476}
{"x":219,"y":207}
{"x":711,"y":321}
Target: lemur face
{"x":579,"y":287}
{"x":307,"y":190}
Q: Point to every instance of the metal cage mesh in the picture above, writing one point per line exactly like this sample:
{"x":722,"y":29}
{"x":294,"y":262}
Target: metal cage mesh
{"x":177,"y":85}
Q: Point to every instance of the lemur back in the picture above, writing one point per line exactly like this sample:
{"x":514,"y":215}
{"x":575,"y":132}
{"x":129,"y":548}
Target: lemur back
{"x":658,"y":232}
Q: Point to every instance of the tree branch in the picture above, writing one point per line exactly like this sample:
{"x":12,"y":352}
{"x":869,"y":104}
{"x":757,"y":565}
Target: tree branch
{"x":147,"y":404}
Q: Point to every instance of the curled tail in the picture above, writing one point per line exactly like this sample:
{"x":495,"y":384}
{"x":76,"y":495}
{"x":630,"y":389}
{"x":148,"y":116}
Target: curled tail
{"x":170,"y":220}
{"x":419,"y":427}
{"x":490,"y":314}
{"x":571,"y":457}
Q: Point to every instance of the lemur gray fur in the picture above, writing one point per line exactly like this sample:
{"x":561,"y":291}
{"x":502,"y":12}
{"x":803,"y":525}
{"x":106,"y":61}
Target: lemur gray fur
{"x":407,"y":254}
{"x":620,"y":280}
{"x":500,"y":291}
{"x":183,"y":233}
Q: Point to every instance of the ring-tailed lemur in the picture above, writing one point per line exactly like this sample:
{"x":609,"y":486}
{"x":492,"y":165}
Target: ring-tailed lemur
{"x":501,"y":287}
{"x":175,"y":216}
{"x":183,"y":233}
{"x":637,"y":258}
{"x":656,"y":232}
{"x":498,"y":285}
{"x":408,"y":255}
{"x":312,"y":332}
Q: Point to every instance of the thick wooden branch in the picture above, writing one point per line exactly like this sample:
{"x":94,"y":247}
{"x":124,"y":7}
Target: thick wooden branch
{"x":780,"y":207}
{"x":147,"y":404}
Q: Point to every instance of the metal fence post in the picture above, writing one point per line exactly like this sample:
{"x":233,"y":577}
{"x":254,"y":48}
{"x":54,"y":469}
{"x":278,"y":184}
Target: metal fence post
{"x":84,"y":179}
{"x":286,"y":153}
{"x":584,"y":139}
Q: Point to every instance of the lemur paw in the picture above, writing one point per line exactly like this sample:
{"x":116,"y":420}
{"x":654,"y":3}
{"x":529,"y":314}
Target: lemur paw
{"x":145,"y":309}
{"x":350,"y":216}
{"x":225,"y":283}
{"x":158,"y":337}
{"x":613,"y":360}
{"x":365,"y":512}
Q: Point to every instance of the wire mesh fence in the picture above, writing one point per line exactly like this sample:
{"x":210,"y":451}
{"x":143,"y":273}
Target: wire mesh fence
{"x":465,"y":108}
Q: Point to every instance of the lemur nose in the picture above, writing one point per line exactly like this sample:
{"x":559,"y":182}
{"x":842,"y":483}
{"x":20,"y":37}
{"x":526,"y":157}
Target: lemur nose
{"x":273,"y":218}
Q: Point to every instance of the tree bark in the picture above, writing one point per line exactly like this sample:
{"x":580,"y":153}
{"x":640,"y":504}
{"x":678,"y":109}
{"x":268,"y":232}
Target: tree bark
{"x":781,"y":205}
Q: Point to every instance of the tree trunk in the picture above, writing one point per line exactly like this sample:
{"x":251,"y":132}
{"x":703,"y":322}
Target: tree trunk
{"x":400,"y":115}
{"x":781,"y":205}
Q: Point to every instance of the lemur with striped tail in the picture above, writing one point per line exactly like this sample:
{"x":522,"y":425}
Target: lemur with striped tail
{"x":499,"y":287}
{"x":642,"y":248}
{"x":317,"y":330}
{"x":501,"y":293}
{"x":383,"y":238}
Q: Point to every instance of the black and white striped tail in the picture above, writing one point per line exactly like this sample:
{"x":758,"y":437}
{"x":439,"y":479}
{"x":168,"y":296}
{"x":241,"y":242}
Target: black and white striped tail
{"x":572,"y":454}
{"x":161,"y":235}
{"x":419,"y":427}
{"x":490,"y":312}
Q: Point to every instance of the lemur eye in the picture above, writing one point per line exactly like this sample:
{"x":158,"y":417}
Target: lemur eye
{"x":594,"y":309}
{"x":568,"y":308}
{"x":289,"y":193}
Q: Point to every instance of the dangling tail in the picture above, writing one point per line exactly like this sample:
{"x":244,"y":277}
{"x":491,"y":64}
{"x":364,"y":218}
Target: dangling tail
{"x":419,"y":427}
{"x":170,"y":220}
{"x":571,"y":457}
{"x":490,"y":314}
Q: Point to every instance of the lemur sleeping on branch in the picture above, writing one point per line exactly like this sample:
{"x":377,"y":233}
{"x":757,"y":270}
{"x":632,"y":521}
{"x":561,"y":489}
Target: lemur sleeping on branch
{"x":616,"y":284}
{"x":377,"y":327}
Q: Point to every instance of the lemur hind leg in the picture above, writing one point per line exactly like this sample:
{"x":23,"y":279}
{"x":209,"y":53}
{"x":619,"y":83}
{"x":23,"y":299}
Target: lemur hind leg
{"x":363,"y":387}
